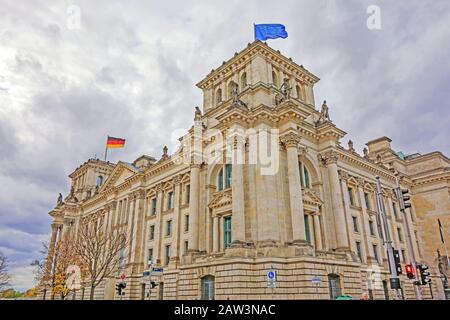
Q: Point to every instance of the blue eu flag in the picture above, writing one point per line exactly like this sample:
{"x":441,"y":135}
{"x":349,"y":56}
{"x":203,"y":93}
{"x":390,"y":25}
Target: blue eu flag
{"x":270,"y":31}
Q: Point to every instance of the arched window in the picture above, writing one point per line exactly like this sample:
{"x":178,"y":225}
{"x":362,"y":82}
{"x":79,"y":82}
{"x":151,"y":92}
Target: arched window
{"x":219,"y":96}
{"x":305,"y":179}
{"x":99,"y":181}
{"x":274,"y":79}
{"x":243,"y":81}
{"x":208,"y":288}
{"x":230,"y":90}
{"x":224,"y":178}
{"x":300,"y":93}
{"x":334,"y":285}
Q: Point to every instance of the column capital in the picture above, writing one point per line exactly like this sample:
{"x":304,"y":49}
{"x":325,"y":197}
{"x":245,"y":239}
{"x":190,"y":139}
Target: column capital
{"x":290,"y":140}
{"x":329,"y":157}
{"x":361,"y":182}
{"x":159,"y":187}
{"x":343,"y":175}
{"x":195,"y":166}
{"x":176,"y":180}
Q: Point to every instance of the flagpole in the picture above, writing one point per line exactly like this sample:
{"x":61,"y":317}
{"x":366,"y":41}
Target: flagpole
{"x":106,"y":149}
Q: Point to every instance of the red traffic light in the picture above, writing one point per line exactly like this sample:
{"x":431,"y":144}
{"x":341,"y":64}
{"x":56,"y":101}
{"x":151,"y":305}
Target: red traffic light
{"x":409,"y":271}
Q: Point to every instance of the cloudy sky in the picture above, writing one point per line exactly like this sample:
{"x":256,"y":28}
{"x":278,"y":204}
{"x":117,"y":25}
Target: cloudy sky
{"x":130,"y":70}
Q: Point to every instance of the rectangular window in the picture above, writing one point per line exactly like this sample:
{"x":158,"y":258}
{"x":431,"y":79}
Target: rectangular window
{"x":188,"y":194}
{"x":400,"y":236}
{"x":394,"y":209}
{"x":367,"y":201}
{"x":358,"y":250}
{"x":355,"y":224}
{"x":220,"y":180}
{"x":169,"y":228}
{"x":186,"y":247}
{"x":372,"y":230}
{"x":186,"y":223}
{"x":170,"y":200}
{"x":167,"y":255}
{"x":404,"y":255}
{"x":226,"y":232}
{"x":350,"y":196}
{"x":152,"y":233}
{"x":153,"y":207}
{"x":307,"y":230}
{"x":150,"y":255}
{"x":228,"y":175}
{"x":375,"y":252}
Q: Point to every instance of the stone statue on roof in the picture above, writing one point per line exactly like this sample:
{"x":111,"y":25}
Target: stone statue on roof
{"x":324,"y":114}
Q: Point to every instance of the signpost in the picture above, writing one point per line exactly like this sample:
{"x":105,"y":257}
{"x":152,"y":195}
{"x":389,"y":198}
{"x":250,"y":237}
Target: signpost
{"x":316,"y":281}
{"x":271,"y":280}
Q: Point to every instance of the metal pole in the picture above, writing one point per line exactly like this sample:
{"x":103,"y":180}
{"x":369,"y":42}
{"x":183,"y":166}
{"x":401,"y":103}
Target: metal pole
{"x":395,"y":281}
{"x":406,"y":224}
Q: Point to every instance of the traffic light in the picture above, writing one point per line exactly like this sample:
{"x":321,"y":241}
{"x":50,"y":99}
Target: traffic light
{"x":153,"y":284}
{"x":120,"y":288}
{"x":409,"y":271}
{"x":398,"y":264}
{"x":404,"y":198}
{"x":424,"y":274}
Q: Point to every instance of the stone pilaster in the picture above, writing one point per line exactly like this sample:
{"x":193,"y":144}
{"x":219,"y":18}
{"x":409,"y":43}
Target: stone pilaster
{"x":215,"y":234}
{"x":291,"y":141}
{"x":330,"y":159}
{"x":194,"y":207}
{"x":137,"y":252}
{"x":317,"y":232}
{"x":343,"y":176}
{"x":158,"y":225}
{"x":176,"y":221}
{"x":365,"y":218}
{"x":237,"y":190}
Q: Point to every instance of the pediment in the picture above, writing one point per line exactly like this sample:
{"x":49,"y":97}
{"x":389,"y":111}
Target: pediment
{"x":120,"y":174}
{"x":311,"y":197}
{"x":221,"y":199}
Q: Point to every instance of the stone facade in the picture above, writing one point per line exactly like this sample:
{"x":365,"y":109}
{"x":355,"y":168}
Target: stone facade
{"x":217,"y":216}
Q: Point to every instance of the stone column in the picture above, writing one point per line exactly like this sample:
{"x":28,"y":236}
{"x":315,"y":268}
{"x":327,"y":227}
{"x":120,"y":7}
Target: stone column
{"x":330,"y":159}
{"x":343,"y":176}
{"x":365,"y":217}
{"x":158,"y":227}
{"x":312,"y":232}
{"x":291,"y":141}
{"x":237,"y":190}
{"x":215,"y":234}
{"x":52,"y":246}
{"x":176,"y":223}
{"x":317,"y":232}
{"x":194,"y":207}
{"x":139,"y":227}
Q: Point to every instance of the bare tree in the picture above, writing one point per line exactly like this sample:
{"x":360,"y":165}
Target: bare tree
{"x":98,"y":252}
{"x":52,"y":272}
{"x":41,"y":263}
{"x":4,"y":276}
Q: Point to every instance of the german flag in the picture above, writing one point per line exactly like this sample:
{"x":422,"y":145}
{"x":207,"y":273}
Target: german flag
{"x":115,"y":142}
